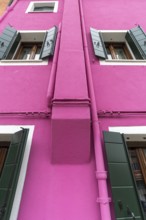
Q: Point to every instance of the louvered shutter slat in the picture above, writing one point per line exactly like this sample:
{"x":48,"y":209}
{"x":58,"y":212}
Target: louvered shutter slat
{"x":49,"y":43}
{"x":123,"y":187}
{"x":13,"y":47}
{"x":136,"y":38}
{"x":7,"y":176}
{"x":7,"y":39}
{"x":98,"y":44}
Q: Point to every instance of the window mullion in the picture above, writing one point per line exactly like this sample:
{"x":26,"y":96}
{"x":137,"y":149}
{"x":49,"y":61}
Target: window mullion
{"x":127,"y":53}
{"x":3,"y":152}
{"x":33,"y":52}
{"x":142,"y":161}
{"x":112,"y":51}
{"x":18,"y":54}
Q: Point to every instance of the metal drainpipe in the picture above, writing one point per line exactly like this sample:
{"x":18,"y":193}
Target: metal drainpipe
{"x":53,"y":70}
{"x":101,"y":173}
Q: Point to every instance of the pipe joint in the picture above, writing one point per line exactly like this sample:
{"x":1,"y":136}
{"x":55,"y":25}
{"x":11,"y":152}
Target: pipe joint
{"x":101,"y":175}
{"x":103,"y":201}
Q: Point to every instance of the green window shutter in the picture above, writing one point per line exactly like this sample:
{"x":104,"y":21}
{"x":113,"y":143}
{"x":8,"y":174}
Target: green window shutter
{"x":136,"y":38}
{"x":98,"y":44}
{"x":10,"y":2}
{"x":125,"y":197}
{"x":9,"y":40}
{"x":10,"y":173}
{"x":49,"y":43}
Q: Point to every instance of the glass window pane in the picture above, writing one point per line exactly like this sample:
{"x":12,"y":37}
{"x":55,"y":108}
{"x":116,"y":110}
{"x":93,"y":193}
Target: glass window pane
{"x":37,"y":55}
{"x":141,"y":187}
{"x":25,"y":53}
{"x":44,"y":8}
{"x":28,"y":51}
{"x":108,"y":54}
{"x":120,"y":53}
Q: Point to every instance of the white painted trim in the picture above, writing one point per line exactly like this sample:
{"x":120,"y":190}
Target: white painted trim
{"x":113,"y":31}
{"x":23,"y":62}
{"x":10,"y":129}
{"x":129,"y":129}
{"x":123,"y":62}
{"x":30,"y":8}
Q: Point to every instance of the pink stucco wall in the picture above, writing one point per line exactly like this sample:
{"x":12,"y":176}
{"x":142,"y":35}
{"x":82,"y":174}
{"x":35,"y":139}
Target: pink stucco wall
{"x":24,"y":88}
{"x":50,"y":191}
{"x":62,"y":192}
{"x":116,"y":87}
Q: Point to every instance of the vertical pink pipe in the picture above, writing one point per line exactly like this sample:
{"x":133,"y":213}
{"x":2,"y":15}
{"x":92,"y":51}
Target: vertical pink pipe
{"x":53,"y":70}
{"x":101,"y":174}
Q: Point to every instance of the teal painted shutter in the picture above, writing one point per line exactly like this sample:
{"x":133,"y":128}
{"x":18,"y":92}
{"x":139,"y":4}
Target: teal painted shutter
{"x":9,"y":40}
{"x":10,"y":173}
{"x":98,"y":44}
{"x":125,"y":197}
{"x":136,"y":38}
{"x":49,"y":43}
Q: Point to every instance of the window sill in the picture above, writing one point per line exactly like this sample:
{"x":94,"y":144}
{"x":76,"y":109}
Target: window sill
{"x":23,"y":62}
{"x":123,"y":62}
{"x":42,"y":12}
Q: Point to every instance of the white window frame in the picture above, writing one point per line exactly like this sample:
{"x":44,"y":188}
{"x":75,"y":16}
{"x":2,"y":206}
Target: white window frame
{"x":27,"y":36}
{"x":129,"y":129}
{"x":119,"y":36}
{"x":32,"y":5}
{"x":6,"y":132}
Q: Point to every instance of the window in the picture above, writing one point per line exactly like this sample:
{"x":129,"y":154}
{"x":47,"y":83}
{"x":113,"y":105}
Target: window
{"x":27,"y":45}
{"x":28,"y":51}
{"x":126,"y":157}
{"x":15,"y":143}
{"x":117,"y":51}
{"x":43,"y":6}
{"x":137,"y":153}
{"x":119,"y":45}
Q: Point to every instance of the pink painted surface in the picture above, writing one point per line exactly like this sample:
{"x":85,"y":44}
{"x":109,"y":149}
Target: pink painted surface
{"x":21,"y":88}
{"x":70,"y":134}
{"x":116,"y":87}
{"x":58,"y":192}
{"x":33,"y":21}
{"x":24,"y":88}
{"x":50,"y":191}
{"x":71,"y":118}
{"x":69,"y":192}
{"x":54,"y":191}
{"x":71,"y":75}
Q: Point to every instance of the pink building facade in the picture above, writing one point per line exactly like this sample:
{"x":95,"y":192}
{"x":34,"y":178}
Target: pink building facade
{"x":68,"y":72}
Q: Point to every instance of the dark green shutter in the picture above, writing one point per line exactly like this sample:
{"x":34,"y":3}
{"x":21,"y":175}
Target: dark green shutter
{"x":136,"y":38}
{"x":98,"y":44}
{"x":10,"y":2}
{"x":49,"y":43}
{"x":9,"y":40}
{"x":10,"y":173}
{"x":125,"y":196}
